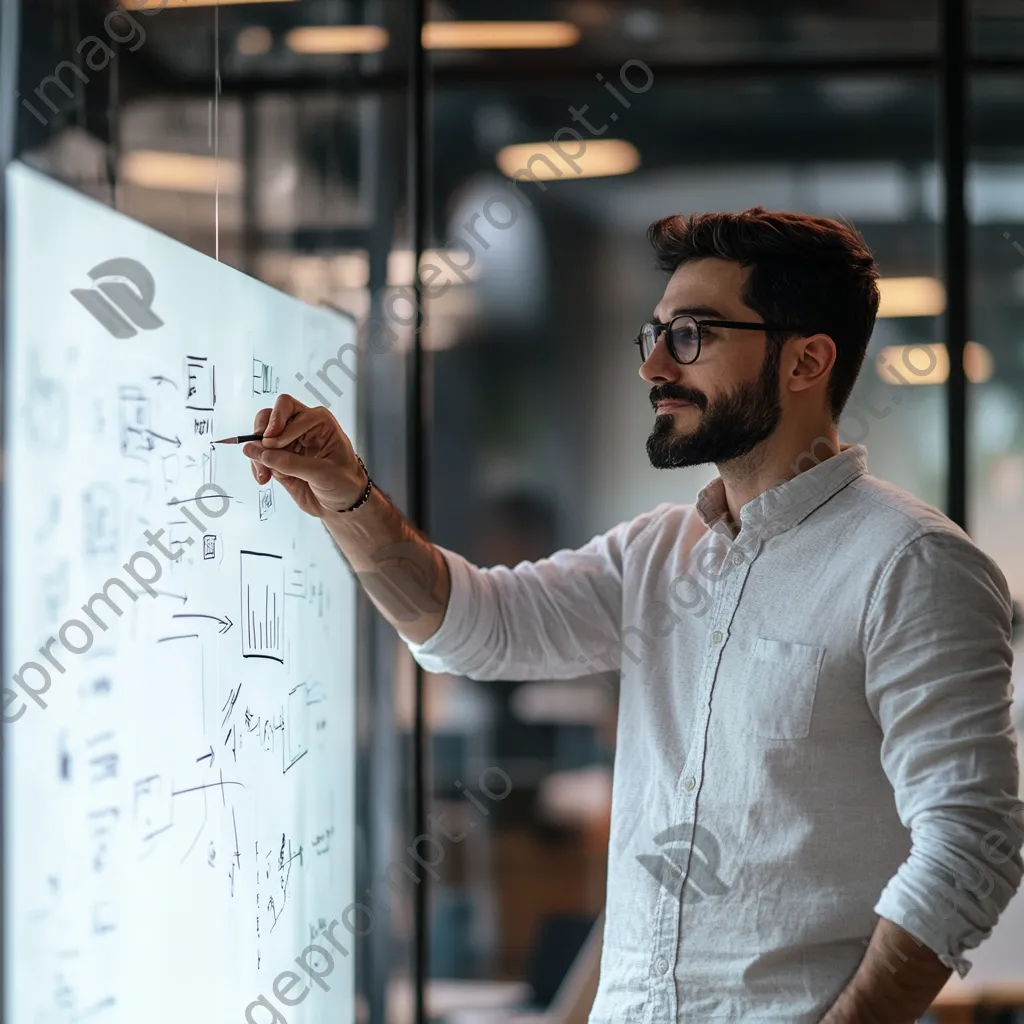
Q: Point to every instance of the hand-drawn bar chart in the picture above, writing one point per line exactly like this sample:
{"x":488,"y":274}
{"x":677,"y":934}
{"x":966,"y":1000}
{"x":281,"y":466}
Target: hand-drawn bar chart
{"x":262,"y":606}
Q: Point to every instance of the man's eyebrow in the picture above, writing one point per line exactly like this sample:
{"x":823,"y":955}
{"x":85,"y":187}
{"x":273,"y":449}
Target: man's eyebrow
{"x":698,"y":311}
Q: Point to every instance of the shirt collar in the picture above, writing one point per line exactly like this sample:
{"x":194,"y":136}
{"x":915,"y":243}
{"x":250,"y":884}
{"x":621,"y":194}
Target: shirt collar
{"x":781,"y":507}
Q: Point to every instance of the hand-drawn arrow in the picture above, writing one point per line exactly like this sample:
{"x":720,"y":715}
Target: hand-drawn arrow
{"x":176,"y":441}
{"x":225,"y":623}
{"x":180,"y":636}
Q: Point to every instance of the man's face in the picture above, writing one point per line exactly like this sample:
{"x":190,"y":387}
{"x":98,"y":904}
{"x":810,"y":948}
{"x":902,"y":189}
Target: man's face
{"x":721,"y":406}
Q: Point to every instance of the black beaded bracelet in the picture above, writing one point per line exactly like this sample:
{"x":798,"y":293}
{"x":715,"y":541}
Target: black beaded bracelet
{"x":366,"y":493}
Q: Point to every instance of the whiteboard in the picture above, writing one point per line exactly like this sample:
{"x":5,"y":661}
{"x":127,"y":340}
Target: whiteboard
{"x":179,"y":817}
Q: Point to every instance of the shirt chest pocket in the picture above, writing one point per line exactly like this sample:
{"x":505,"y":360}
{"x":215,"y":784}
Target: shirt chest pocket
{"x":782,"y":683}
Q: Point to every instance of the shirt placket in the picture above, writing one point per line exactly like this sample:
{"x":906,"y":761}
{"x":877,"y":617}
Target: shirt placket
{"x":662,"y":997}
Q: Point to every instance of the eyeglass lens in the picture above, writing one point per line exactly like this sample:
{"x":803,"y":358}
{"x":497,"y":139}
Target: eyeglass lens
{"x":682,"y":338}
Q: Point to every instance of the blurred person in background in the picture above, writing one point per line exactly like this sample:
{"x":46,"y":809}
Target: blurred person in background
{"x":815,"y":811}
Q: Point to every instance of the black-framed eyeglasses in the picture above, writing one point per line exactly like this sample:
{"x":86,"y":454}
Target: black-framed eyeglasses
{"x":684,"y":334}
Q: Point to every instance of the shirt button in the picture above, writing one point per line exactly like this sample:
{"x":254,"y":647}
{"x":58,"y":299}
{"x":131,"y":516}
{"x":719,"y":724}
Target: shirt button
{"x":677,"y":871}
{"x":716,"y":637}
{"x":662,"y":965}
{"x":738,"y":559}
{"x":690,"y":782}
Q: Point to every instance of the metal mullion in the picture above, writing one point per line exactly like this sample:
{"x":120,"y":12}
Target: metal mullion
{"x":956,"y":260}
{"x":418,"y":451}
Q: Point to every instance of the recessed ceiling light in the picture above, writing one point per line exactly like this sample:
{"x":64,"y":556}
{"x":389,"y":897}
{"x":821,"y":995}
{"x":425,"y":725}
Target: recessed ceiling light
{"x":437,"y":35}
{"x":324,"y":39}
{"x":929,"y":364}
{"x":543,"y":162}
{"x":499,"y":35}
{"x":180,"y":172}
{"x":159,"y":5}
{"x":911,"y":296}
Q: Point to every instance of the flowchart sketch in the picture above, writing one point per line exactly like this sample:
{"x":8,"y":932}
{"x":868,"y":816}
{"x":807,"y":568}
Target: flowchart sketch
{"x":262,"y":605}
{"x":134,"y":419}
{"x":201,"y":377}
{"x":296,"y":743}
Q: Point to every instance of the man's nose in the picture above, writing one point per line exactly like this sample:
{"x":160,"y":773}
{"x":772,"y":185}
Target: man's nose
{"x":659,"y":367}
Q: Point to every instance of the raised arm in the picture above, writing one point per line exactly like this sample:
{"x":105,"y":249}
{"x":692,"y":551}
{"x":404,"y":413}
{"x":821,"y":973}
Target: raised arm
{"x":556,"y":618}
{"x":559,"y":617}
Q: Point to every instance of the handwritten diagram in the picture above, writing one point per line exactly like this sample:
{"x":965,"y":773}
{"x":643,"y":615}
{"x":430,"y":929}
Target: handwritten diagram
{"x":266,"y":496}
{"x":295,"y":727}
{"x":264,"y":381}
{"x":201,"y":393}
{"x":262,"y":586}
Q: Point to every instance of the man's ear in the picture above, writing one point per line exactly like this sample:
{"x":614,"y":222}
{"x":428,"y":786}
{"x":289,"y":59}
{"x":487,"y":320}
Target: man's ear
{"x":811,"y":361}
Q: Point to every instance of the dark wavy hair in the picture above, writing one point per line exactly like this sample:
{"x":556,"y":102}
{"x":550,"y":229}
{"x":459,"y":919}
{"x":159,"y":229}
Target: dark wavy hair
{"x":811,"y":272}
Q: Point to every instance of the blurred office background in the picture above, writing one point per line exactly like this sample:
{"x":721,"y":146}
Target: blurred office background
{"x":288,"y":139}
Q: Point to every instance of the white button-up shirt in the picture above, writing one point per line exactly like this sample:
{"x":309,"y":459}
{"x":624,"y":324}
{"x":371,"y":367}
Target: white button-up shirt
{"x":813,"y":730}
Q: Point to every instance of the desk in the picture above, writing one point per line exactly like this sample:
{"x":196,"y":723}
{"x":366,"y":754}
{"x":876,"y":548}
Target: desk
{"x":958,"y":1001}
{"x":448,"y":998}
{"x":997,"y":978}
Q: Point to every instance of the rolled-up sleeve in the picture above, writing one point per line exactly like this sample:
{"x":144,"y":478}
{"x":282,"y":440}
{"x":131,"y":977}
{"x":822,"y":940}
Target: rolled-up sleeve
{"x":938,"y":660}
{"x":556,"y":618}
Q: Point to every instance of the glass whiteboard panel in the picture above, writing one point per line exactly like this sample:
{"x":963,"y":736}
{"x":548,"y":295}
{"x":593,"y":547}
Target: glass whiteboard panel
{"x":178,"y":642}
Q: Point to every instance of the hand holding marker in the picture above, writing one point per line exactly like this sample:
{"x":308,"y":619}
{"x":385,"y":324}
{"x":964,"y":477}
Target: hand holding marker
{"x":309,"y":455}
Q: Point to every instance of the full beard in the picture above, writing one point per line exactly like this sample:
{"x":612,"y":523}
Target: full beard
{"x":730,"y":427}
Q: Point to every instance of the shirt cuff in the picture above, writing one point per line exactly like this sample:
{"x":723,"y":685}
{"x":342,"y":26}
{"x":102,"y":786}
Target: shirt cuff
{"x":894,"y":905}
{"x":457,"y":622}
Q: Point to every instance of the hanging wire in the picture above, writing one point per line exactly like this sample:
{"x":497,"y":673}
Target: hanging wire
{"x":216,"y":131}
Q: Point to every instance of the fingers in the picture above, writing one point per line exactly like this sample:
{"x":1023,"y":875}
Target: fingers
{"x":259,"y":425}
{"x":299,"y":424}
{"x":284,"y":409}
{"x":252,"y":450}
{"x":288,"y":463}
{"x":280,"y":426}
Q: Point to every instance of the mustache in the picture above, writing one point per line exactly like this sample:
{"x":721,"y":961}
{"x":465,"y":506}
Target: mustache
{"x":670,"y":392}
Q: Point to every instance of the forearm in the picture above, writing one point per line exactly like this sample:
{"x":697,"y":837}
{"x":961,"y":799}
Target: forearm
{"x":404,"y":575}
{"x":895,"y":983}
